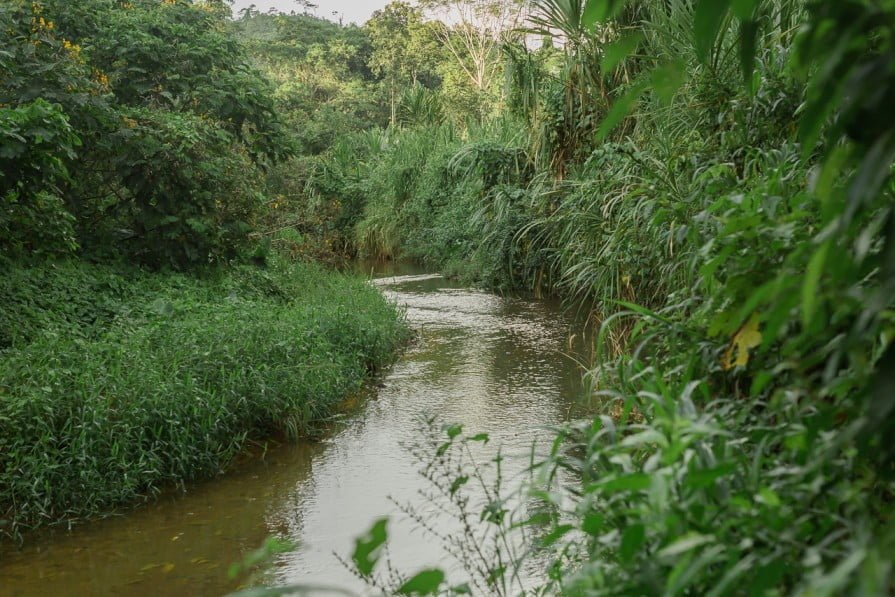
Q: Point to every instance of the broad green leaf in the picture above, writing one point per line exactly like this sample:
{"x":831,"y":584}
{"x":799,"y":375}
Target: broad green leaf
{"x":594,"y":11}
{"x":633,"y":539}
{"x":426,"y":582}
{"x":707,"y":19}
{"x":811,"y":284}
{"x":593,"y":524}
{"x":765,"y":578}
{"x":556,"y":534}
{"x":597,"y":11}
{"x":617,"y":51}
{"x":368,"y":547}
{"x":768,"y":497}
{"x":667,"y":79}
{"x":620,"y":109}
{"x":748,"y":46}
{"x":818,"y":110}
{"x":702,"y":478}
{"x":458,"y":483}
{"x":650,"y":436}
{"x":685,"y":544}
{"x":631,"y":482}
{"x":537,"y":519}
{"x":453,"y":430}
{"x":744,"y":10}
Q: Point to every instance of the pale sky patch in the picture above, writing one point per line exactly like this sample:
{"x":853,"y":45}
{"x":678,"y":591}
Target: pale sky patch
{"x":351,"y":11}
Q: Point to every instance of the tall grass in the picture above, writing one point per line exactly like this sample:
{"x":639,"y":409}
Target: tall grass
{"x":114,"y":384}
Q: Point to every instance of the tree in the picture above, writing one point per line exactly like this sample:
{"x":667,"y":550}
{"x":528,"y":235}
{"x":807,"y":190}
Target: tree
{"x":160,"y":115}
{"x":474,"y":39}
{"x":403,"y":49}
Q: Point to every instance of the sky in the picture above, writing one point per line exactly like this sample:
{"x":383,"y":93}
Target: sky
{"x":353,"y":11}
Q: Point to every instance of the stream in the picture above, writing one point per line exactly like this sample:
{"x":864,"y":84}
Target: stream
{"x":498,"y":364}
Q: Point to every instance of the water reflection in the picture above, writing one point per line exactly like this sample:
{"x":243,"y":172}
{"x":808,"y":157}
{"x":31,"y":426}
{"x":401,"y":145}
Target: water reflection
{"x":493,"y":363}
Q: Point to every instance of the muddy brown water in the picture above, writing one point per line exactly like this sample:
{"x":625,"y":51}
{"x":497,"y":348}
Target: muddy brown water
{"x":498,"y":364}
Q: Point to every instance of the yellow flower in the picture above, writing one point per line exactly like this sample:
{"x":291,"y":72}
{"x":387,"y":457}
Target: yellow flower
{"x":73,"y":49}
{"x":101,"y":78}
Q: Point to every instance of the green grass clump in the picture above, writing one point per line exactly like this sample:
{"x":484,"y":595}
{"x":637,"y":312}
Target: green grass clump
{"x":115,"y":383}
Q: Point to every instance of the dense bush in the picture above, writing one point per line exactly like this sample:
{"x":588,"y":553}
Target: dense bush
{"x":116,"y":383}
{"x":35,"y":141}
{"x":157,"y":111}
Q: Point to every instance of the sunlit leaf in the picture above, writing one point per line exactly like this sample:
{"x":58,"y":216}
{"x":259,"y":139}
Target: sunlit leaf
{"x":746,"y":338}
{"x":685,"y":544}
{"x":453,"y":430}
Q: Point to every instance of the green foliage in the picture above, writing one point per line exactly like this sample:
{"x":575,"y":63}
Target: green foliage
{"x":114,"y":384}
{"x":404,"y":49}
{"x":35,"y":141}
{"x":166,"y":109}
{"x":368,"y":548}
{"x":158,"y":226}
{"x":179,"y":56}
{"x":714,"y":176}
{"x":324,"y":86}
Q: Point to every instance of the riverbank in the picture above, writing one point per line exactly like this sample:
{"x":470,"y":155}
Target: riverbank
{"x":497,"y":362}
{"x":115,"y":382}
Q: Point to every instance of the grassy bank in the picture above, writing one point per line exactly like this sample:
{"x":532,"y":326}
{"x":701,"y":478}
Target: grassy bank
{"x":115,"y":382}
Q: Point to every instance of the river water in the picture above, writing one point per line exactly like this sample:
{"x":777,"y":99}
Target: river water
{"x":498,"y":364}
